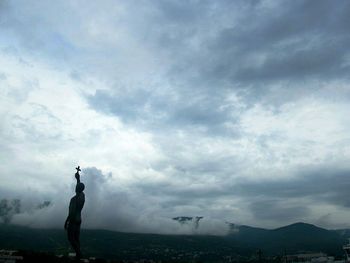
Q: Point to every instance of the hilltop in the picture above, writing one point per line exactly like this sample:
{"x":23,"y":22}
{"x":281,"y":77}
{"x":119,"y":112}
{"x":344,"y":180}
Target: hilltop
{"x":295,"y":238}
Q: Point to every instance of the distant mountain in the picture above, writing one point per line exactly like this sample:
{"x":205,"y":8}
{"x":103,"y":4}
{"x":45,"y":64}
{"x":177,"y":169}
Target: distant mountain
{"x":244,"y":241}
{"x":298,"y":237}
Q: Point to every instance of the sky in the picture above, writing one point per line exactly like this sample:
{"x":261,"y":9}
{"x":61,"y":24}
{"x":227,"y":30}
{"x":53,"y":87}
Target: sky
{"x":237,"y":111}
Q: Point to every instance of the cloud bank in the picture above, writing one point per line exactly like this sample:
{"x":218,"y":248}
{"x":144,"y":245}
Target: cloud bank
{"x":234,"y":111}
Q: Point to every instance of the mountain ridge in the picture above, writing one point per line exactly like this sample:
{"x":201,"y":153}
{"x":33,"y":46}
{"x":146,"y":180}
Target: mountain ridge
{"x":294,"y":238}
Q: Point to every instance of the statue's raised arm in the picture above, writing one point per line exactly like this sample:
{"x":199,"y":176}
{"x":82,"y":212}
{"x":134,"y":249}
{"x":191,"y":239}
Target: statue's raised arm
{"x":77,"y":175}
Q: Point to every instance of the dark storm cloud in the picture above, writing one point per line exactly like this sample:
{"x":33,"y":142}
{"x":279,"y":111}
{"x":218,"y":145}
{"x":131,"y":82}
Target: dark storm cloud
{"x":185,"y":194}
{"x":299,"y":39}
{"x":323,"y":61}
{"x":209,"y":45}
{"x":127,"y":106}
{"x":145,"y":108}
{"x":269,"y":197}
{"x":327,"y":185}
{"x":245,"y":53}
{"x":207,"y":49}
{"x":275,"y":210}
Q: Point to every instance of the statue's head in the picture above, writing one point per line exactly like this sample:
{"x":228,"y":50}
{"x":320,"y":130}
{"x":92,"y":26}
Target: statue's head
{"x":79,"y":188}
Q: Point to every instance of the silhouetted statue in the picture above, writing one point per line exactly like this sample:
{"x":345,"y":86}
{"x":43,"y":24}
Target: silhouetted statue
{"x":73,"y":221}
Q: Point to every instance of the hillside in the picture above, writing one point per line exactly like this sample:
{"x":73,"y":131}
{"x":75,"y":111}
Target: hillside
{"x":299,"y":237}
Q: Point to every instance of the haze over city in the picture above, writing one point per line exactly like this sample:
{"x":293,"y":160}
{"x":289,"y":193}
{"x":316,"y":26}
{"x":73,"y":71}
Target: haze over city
{"x":234,"y":111}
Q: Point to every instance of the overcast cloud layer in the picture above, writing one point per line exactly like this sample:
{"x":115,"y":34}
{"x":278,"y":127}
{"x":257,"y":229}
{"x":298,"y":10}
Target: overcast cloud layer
{"x":237,"y":111}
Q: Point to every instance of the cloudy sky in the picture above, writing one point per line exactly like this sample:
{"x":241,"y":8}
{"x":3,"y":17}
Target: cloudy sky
{"x":237,"y":111}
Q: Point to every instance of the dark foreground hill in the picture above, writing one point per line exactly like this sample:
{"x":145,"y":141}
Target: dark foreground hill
{"x":299,"y":237}
{"x":291,"y":239}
